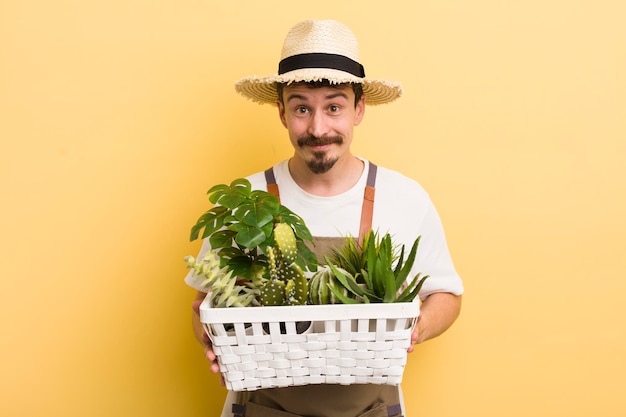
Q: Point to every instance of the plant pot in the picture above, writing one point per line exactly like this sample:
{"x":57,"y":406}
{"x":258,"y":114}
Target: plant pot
{"x":301,"y":327}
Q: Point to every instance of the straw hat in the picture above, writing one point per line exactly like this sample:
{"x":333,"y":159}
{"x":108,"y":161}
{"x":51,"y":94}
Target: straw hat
{"x":315,"y":50}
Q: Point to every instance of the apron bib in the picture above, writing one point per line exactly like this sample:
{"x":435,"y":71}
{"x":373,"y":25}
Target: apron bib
{"x":324,"y":400}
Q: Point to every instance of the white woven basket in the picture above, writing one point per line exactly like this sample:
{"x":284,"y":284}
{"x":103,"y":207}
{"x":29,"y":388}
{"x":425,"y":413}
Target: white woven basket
{"x":344,"y":344}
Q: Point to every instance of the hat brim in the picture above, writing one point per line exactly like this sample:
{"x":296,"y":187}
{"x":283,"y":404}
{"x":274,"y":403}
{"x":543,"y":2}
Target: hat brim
{"x":263,"y":89}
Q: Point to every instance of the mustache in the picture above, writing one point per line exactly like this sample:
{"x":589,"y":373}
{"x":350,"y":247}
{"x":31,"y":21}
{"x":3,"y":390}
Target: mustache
{"x":311,"y":140}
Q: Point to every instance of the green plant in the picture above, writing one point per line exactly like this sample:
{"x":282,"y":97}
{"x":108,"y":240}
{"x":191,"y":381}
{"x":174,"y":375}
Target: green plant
{"x":351,"y":256}
{"x":258,"y":240}
{"x":240,"y":228}
{"x":378,"y":280}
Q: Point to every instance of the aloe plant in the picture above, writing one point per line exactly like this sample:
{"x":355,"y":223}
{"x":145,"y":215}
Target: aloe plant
{"x":382,"y":277}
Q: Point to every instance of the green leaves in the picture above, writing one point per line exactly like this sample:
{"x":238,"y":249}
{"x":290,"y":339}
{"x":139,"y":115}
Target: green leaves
{"x":258,"y":209}
{"x":210,"y":221}
{"x":240,"y":227}
{"x":230,"y":196}
{"x":349,"y":282}
{"x":249,"y":236}
{"x":241,"y":210}
{"x":377,"y":280}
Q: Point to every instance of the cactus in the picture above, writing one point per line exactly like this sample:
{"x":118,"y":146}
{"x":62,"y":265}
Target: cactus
{"x":286,"y":242}
{"x":297,"y":287}
{"x":287,"y":283}
{"x":273,"y":293}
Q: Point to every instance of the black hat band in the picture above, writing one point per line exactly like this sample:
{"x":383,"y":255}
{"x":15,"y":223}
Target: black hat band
{"x":321,"y":60}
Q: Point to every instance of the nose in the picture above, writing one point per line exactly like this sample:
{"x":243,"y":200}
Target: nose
{"x":318,"y":125}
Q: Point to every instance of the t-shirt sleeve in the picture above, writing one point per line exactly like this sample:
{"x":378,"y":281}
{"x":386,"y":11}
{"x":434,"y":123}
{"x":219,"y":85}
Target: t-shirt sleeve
{"x":433,"y":258}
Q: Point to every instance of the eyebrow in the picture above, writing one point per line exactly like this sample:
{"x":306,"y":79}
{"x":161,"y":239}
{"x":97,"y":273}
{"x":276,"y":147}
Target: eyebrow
{"x":336,"y":94}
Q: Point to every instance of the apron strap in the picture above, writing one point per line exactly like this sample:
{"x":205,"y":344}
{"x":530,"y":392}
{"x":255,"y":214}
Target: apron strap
{"x":394,"y":410}
{"x":368,"y":202}
{"x":239,"y":410}
{"x":272,"y":187}
{"x":368,"y":197}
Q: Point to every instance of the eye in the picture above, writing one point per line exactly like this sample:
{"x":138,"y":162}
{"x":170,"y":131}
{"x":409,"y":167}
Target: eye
{"x":301,"y":110}
{"x":333,"y":108}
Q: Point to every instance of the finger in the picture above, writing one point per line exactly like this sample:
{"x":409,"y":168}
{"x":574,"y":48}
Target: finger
{"x":414,"y":336}
{"x":210,"y":355}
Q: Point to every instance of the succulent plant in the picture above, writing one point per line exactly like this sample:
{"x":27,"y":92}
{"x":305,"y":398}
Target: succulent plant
{"x":320,"y":285}
{"x":220,"y":283}
{"x":351,"y":256}
{"x":383,"y":275}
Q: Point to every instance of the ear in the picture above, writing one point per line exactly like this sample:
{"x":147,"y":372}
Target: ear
{"x":360,"y":111}
{"x":281,"y":112}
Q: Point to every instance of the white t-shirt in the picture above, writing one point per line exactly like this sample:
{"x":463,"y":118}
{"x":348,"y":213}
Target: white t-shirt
{"x":401,"y":207}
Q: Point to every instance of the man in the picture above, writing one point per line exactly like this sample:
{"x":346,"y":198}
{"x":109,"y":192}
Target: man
{"x":321,"y":92}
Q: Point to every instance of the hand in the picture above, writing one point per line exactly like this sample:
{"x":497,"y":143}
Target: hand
{"x":417,"y":332}
{"x":437,"y":313}
{"x":203,"y":338}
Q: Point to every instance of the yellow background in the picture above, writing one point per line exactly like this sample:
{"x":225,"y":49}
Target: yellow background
{"x":117,"y":116}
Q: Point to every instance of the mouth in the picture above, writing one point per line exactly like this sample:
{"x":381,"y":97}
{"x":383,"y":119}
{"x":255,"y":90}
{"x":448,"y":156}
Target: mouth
{"x":319,"y":148}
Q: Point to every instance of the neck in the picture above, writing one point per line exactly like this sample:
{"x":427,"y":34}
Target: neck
{"x":340,"y":178}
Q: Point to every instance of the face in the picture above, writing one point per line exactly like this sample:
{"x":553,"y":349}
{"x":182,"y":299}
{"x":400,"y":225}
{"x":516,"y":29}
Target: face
{"x":320,"y":122}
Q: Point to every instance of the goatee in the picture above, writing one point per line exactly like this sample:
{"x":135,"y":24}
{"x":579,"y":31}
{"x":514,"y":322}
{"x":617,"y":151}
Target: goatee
{"x":320,"y":163}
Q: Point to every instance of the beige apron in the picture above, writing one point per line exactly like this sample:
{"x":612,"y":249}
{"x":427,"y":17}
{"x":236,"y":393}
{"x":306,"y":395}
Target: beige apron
{"x":324,"y":400}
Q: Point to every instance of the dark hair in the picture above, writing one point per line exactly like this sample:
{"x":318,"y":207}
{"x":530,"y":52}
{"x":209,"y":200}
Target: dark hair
{"x":356,"y":87}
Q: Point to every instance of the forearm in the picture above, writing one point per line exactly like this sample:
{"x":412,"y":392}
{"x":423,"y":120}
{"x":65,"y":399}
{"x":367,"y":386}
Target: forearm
{"x":437,"y":314}
{"x":201,"y":335}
